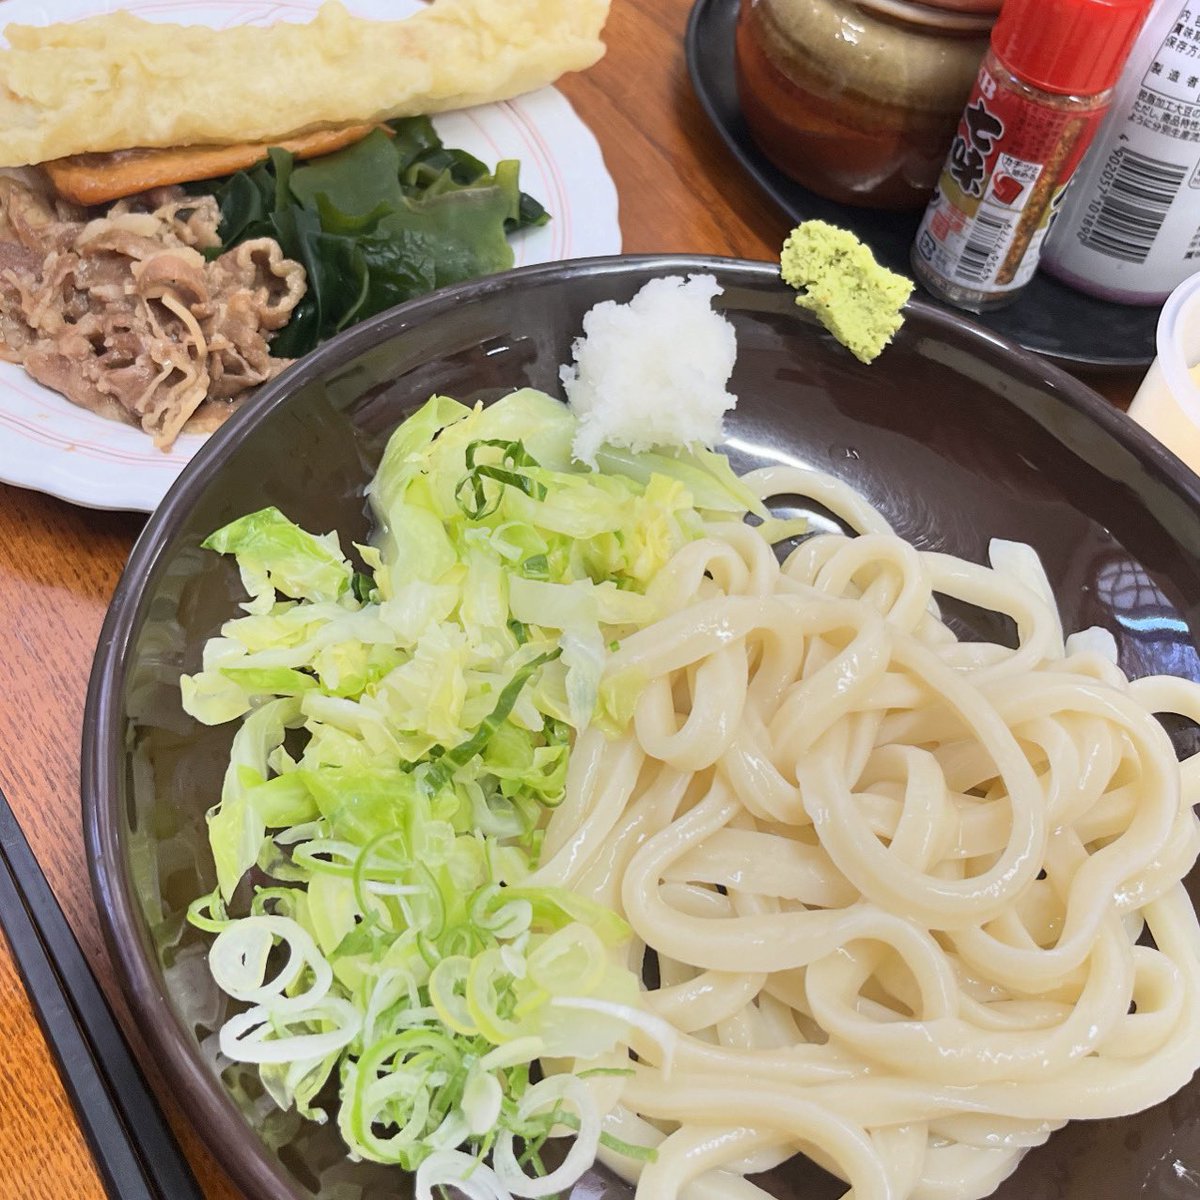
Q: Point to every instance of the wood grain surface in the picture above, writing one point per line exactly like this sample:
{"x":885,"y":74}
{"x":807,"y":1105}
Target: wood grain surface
{"x":680,"y":191}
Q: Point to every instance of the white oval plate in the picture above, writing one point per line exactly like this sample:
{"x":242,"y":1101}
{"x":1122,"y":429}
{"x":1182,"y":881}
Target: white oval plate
{"x":49,"y":444}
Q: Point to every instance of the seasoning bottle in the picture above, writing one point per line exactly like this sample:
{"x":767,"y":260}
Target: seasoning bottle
{"x":1040,"y":96}
{"x":1130,"y":229}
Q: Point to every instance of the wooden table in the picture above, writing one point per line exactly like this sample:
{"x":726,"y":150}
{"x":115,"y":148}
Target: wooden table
{"x":680,"y":191}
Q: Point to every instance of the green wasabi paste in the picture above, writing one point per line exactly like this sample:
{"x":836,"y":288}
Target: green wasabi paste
{"x":856,"y":299}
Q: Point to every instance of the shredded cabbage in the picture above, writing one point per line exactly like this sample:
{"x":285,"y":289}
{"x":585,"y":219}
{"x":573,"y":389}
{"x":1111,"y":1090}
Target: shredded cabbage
{"x":406,"y":725}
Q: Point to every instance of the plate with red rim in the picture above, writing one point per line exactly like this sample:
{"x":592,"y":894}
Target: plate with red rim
{"x":50,"y":445}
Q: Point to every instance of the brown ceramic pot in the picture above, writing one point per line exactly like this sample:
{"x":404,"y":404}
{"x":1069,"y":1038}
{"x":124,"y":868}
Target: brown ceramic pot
{"x":858,"y":101}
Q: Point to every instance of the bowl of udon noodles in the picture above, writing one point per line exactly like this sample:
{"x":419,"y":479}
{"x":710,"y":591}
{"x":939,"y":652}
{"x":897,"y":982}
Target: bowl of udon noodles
{"x":901,"y":823}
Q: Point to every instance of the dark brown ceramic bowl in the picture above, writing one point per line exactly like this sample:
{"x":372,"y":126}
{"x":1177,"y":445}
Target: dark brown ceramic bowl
{"x":955,"y":434}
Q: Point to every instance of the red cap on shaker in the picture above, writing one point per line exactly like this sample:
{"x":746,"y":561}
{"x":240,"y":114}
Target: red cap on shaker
{"x":1071,"y":47}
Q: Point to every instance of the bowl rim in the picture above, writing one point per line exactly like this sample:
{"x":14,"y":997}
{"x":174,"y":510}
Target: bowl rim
{"x":232,"y":1141}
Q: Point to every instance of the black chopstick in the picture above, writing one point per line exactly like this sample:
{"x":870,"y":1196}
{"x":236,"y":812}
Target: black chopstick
{"x":135,"y":1152}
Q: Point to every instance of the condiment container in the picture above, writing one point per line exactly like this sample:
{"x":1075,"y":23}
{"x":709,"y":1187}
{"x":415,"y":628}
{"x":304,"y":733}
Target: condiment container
{"x":1168,"y":402}
{"x":1041,"y":93}
{"x":1129,"y":230}
{"x":858,"y":101}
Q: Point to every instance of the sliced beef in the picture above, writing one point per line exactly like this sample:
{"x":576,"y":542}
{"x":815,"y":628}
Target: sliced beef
{"x":124,"y":316}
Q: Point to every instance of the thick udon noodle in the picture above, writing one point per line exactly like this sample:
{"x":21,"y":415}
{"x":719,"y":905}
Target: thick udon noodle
{"x":896,"y":884}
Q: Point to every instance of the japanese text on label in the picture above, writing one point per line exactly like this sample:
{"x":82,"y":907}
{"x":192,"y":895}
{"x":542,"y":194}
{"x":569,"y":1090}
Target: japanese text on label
{"x":969,"y":155}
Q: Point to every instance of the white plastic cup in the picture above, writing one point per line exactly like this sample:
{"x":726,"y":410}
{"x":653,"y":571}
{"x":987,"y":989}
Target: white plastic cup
{"x":1167,"y":404}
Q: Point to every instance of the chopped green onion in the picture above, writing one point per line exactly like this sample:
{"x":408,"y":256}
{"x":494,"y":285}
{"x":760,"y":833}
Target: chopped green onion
{"x":363,"y":586}
{"x":645,"y":1154}
{"x":537,"y":566}
{"x":440,"y":774}
{"x":478,"y":504}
